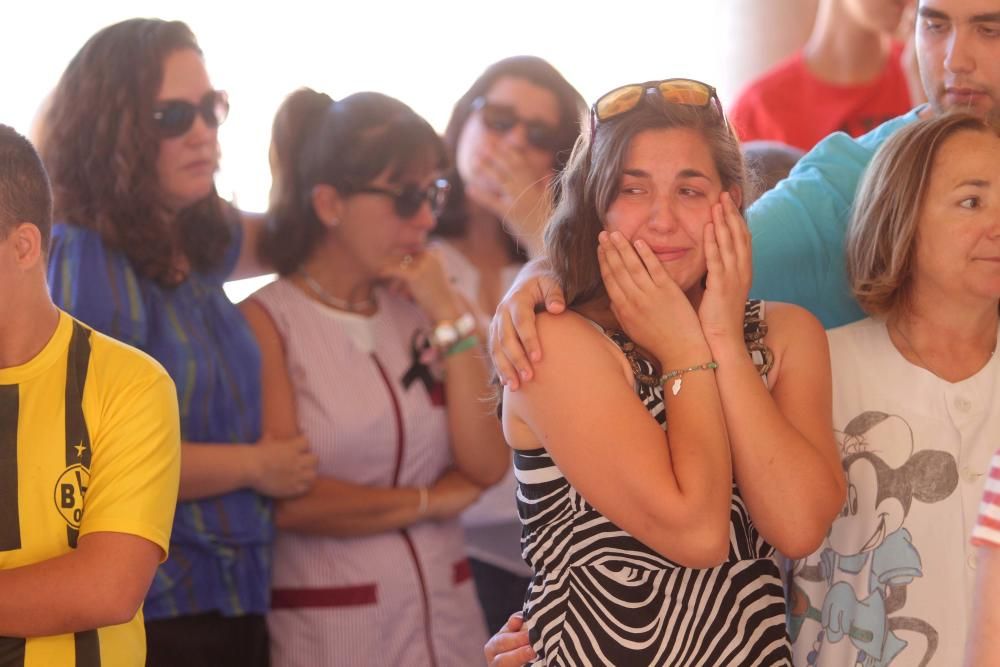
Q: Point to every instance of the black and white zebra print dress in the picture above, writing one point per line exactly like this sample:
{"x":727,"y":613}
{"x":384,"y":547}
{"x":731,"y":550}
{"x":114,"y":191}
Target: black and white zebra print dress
{"x":601,"y":597}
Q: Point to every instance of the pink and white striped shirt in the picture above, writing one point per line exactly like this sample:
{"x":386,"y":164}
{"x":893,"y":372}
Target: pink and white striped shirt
{"x":987,"y":530}
{"x":403,"y":597}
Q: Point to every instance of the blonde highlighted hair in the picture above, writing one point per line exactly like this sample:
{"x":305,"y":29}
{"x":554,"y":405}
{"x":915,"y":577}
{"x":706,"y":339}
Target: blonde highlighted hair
{"x":881,"y":237}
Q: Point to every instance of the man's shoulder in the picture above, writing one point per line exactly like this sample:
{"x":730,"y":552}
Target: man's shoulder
{"x":840,"y":143}
{"x":839,"y":157}
{"x":878,"y":136}
{"x":114,"y":358}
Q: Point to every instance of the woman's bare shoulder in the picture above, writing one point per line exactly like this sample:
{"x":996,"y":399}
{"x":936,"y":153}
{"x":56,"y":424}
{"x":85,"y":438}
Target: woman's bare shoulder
{"x":567,"y":336}
{"x":794,"y":332}
{"x":787,"y":321}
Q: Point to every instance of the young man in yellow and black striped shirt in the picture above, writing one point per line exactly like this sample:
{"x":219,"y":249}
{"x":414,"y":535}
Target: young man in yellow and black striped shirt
{"x":89,"y":457}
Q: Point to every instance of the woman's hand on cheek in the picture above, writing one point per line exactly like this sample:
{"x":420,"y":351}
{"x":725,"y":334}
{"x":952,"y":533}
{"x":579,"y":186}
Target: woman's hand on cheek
{"x":646,"y":301}
{"x":424,"y":278}
{"x":514,"y":190}
{"x":728,"y":259}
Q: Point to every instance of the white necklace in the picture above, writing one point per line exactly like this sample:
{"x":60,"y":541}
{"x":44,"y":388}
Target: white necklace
{"x":332,"y":301}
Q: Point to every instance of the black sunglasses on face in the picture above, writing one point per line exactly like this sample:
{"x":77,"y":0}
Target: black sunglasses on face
{"x":175,"y":117}
{"x":408,"y":199}
{"x":501,"y":118}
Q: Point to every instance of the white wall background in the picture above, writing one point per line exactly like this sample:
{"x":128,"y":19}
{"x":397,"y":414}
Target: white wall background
{"x":425,"y":53}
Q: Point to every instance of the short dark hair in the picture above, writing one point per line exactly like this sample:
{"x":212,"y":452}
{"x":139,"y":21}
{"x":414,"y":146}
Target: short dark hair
{"x":25,"y":195}
{"x":345,"y":144}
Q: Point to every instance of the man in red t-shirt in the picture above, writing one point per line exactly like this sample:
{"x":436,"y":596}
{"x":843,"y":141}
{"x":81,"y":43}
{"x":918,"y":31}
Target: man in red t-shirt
{"x":848,"y":77}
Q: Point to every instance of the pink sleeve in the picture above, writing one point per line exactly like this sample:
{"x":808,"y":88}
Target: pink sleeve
{"x":987,"y":530}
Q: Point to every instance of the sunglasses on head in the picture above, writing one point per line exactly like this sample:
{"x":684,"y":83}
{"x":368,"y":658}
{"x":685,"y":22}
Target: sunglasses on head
{"x":408,"y":199}
{"x":175,"y":117}
{"x":685,"y":92}
{"x":501,"y":118}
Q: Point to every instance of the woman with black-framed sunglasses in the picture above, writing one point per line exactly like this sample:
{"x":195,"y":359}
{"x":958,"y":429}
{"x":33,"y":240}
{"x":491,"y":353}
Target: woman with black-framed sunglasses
{"x":388,"y":388}
{"x":140,"y":252}
{"x":508,"y":136}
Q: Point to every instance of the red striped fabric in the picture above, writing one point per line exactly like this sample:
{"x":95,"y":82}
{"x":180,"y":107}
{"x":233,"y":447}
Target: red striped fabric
{"x":341,"y":596}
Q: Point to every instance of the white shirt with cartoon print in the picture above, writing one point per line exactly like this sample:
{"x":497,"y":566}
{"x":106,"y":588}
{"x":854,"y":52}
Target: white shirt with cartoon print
{"x":892,"y":583}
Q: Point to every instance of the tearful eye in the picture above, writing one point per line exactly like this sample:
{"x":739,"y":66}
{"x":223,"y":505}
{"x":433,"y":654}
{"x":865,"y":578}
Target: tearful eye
{"x":970,"y":203}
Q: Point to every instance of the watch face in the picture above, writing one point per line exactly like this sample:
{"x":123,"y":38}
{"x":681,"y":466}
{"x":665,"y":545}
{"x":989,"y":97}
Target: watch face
{"x":465,"y":325}
{"x":445,"y":335}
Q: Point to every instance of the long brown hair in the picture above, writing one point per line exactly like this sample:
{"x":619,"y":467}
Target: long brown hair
{"x":100,"y":146}
{"x":882,"y":234}
{"x":590,"y":185}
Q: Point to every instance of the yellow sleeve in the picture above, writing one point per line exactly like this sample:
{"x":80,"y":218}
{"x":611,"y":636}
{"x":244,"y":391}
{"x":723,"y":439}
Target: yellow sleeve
{"x":135,"y":440}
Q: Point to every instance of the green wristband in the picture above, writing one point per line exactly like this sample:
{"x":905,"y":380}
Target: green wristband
{"x":466,"y":343}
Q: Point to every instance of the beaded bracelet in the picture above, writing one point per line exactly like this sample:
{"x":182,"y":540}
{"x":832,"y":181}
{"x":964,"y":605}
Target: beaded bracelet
{"x":461,"y":346}
{"x":678,"y":375}
{"x":447,"y":334}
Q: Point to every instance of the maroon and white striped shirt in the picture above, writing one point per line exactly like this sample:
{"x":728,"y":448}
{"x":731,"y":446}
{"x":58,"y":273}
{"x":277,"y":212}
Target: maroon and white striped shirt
{"x":402,"y":597}
{"x":987,"y":530}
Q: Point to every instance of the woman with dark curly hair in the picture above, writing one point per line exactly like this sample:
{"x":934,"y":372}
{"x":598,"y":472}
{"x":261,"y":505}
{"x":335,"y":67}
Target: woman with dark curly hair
{"x":508,"y":136}
{"x":141,"y":252}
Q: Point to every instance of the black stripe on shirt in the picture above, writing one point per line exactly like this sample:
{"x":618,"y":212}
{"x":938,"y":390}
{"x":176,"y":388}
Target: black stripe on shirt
{"x":88,"y":649}
{"x":12,"y":651}
{"x":77,"y":437}
{"x":10,"y":522}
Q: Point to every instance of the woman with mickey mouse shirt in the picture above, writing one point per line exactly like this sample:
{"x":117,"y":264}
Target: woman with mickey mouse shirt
{"x":917,"y":402}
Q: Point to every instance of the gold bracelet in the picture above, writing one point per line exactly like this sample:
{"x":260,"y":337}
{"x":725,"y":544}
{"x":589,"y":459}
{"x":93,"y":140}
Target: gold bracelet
{"x":678,"y":375}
